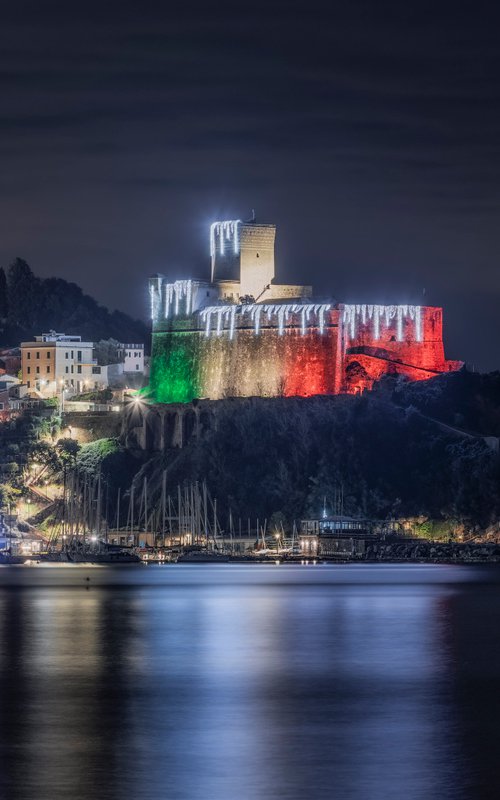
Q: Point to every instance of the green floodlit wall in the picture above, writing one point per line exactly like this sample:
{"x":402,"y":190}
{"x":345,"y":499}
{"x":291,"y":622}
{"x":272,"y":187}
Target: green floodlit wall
{"x":174,"y":367}
{"x":186,"y":364}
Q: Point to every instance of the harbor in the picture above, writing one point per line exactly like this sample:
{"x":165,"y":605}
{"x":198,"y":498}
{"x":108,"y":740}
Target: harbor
{"x":187,"y":529}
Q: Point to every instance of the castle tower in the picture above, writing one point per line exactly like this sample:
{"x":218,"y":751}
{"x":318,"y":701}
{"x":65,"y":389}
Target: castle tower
{"x":242,"y":254}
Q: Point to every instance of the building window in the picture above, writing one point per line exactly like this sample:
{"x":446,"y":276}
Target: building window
{"x":29,"y":384}
{"x":66,"y":355}
{"x":48,"y":370}
{"x":79,"y":355}
{"x":28,"y":354}
{"x":79,"y":369}
{"x":72,"y":369}
{"x":48,"y":353}
{"x":38,"y":353}
{"x":67,"y":369}
{"x":137,"y":366}
{"x":29,"y":370}
{"x":72,"y":354}
{"x":38,"y":370}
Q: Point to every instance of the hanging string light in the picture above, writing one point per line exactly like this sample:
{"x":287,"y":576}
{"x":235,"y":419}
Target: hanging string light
{"x":353,"y":315}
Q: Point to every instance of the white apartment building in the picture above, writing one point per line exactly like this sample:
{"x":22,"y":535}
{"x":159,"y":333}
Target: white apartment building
{"x":132,"y":356}
{"x":55,"y":361}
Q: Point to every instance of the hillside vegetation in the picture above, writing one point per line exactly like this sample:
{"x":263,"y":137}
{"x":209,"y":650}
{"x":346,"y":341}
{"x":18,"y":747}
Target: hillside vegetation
{"x":30,"y":305}
{"x":386,"y":450}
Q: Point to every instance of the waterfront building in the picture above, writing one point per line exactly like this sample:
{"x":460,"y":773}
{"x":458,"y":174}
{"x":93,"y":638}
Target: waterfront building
{"x":335,"y":535}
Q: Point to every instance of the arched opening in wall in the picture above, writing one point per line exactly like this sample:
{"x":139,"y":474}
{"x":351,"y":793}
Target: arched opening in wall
{"x":205,"y":422}
{"x":357,"y":378}
{"x":189,"y":424}
{"x":169,"y":429}
{"x":153,"y":431}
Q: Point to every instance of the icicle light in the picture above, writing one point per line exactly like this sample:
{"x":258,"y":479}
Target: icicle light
{"x":222,"y":233}
{"x":174,"y":293}
{"x":155,"y":296}
{"x":311,"y":316}
{"x":381,"y":315}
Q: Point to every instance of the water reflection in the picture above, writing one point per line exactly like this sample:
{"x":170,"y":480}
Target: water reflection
{"x":233,"y":682}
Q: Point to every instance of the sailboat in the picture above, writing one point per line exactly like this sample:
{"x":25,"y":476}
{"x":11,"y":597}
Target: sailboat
{"x":78,"y":537}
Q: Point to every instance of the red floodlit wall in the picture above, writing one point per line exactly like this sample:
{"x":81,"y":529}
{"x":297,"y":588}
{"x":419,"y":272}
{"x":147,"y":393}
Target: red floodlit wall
{"x":367,"y":359}
{"x":313,"y":362}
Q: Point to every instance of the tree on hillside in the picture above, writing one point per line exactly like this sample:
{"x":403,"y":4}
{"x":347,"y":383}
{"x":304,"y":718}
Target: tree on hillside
{"x":22,"y":293}
{"x":34,"y":305}
{"x":106,"y":352}
{"x":67,"y":450}
{"x":3,"y":295}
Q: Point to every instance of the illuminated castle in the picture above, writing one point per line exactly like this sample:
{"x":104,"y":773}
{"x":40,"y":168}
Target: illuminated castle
{"x":240,"y":334}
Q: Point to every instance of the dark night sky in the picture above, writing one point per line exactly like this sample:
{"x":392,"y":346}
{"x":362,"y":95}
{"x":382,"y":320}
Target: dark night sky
{"x":369,"y":132}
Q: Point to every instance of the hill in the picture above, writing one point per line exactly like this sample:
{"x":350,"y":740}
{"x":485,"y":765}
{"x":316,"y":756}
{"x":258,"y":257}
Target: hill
{"x":394,"y":451}
{"x":30,"y":305}
{"x":466,"y":400}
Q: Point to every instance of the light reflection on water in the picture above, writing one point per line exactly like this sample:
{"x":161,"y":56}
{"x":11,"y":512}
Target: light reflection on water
{"x":228,"y":682}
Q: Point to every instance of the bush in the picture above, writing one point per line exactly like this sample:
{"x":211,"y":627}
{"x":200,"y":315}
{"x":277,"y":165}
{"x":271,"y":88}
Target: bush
{"x":98,"y":396}
{"x":10,"y":468}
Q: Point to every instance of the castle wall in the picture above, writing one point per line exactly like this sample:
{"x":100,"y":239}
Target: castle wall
{"x":231,"y":291}
{"x":425,"y":351}
{"x":285,"y":291}
{"x":292,"y":350}
{"x":401,"y":344}
{"x":188,"y":364}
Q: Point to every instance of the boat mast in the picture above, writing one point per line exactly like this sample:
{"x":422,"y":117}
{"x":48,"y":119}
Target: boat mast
{"x":163,"y":502}
{"x":132,"y":534}
{"x":98,"y":511}
{"x":146,"y":510}
{"x":118,"y":510}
